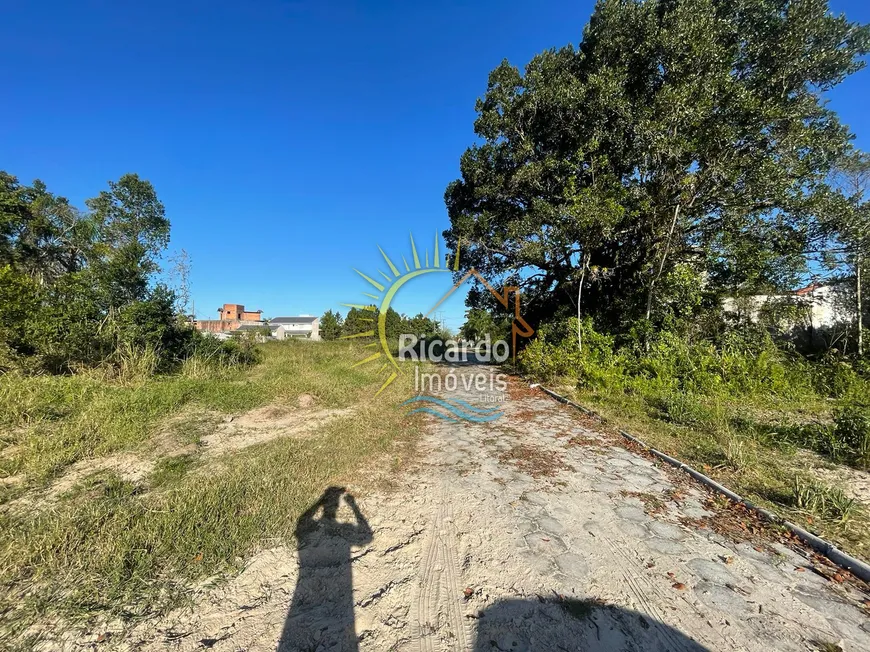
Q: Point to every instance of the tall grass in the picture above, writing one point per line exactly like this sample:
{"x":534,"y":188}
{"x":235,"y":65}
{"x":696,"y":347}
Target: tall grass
{"x":118,"y":547}
{"x":740,"y":407}
{"x":54,"y":421}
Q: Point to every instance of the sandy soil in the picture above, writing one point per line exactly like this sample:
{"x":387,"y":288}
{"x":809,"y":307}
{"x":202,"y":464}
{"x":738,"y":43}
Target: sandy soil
{"x":535,"y":531}
{"x":231,"y":434}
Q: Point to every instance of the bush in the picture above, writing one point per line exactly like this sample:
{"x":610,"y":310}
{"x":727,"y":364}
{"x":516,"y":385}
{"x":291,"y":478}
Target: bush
{"x":556,"y":353}
{"x":743,"y":362}
{"x":684,"y":408}
{"x":809,"y":495}
{"x":19,"y":303}
{"x":853,"y":430}
{"x":836,"y":377}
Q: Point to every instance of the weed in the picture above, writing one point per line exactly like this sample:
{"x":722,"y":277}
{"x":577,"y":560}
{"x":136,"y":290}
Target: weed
{"x":683,"y":408}
{"x":112,"y":546}
{"x":737,"y":453}
{"x":853,"y":429}
{"x":169,"y":470}
{"x":827,"y":646}
{"x":821,"y":500}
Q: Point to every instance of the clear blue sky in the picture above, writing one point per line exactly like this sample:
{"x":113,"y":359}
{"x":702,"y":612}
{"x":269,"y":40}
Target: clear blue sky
{"x":287,"y":139}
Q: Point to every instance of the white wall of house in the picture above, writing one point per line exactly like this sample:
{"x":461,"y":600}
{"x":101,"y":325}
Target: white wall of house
{"x":307,"y":330}
{"x":827,"y":305}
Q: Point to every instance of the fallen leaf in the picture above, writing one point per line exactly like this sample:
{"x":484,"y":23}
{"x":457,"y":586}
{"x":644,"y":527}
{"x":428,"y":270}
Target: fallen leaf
{"x":468,"y":592}
{"x":800,"y":569}
{"x":679,"y":586}
{"x":198,"y":557}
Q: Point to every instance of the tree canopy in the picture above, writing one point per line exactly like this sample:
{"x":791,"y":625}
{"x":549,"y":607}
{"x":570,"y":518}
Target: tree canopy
{"x":682,"y":141}
{"x":78,"y":288}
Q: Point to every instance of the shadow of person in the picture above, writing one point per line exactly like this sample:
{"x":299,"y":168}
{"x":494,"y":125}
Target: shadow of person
{"x":572,"y":625}
{"x":321,"y":615}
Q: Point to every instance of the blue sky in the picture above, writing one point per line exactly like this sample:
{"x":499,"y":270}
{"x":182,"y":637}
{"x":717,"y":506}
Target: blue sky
{"x":286,"y":139}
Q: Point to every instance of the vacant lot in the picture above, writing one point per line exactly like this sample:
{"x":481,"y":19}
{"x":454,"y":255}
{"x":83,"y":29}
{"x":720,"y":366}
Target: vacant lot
{"x":115,"y":497}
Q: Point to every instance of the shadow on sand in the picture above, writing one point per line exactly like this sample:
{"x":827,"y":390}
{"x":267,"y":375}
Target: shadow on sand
{"x":574,"y":626}
{"x":321,"y":616}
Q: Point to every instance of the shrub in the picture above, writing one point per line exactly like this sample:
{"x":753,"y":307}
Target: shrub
{"x":19,"y":302}
{"x":821,"y":500}
{"x":836,"y":377}
{"x":853,"y":430}
{"x":557,"y":353}
{"x":684,"y":408}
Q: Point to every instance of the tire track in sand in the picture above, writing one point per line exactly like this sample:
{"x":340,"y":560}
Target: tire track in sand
{"x":440,"y":625}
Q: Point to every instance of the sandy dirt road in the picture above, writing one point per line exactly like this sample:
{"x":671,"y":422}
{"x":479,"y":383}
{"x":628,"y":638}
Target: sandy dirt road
{"x":532,"y":531}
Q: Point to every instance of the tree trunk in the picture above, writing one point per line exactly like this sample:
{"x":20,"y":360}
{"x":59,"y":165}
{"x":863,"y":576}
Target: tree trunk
{"x":579,"y":300}
{"x":860,"y":309}
{"x":649,"y":296}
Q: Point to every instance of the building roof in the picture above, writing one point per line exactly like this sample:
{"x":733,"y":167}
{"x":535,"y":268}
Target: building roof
{"x":249,"y":327}
{"x":308,"y":319}
{"x":809,"y":289}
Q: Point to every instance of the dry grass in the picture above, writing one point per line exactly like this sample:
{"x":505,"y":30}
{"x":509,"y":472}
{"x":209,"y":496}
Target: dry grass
{"x":760,"y":467}
{"x":534,"y":461}
{"x":112,"y":547}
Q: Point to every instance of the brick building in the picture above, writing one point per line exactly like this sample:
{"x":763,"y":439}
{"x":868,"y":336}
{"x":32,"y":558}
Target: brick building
{"x":231,"y":317}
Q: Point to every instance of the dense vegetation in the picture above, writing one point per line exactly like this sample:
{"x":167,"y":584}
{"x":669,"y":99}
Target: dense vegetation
{"x":334,"y":326}
{"x":681,"y":156}
{"x":682,"y":153}
{"x":78,"y":288}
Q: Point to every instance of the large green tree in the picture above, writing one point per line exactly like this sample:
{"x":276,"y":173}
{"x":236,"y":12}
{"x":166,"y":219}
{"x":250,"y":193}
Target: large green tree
{"x":132,"y":231}
{"x":42,"y":235}
{"x":77,"y":287}
{"x":330,"y":325}
{"x":680,"y":133}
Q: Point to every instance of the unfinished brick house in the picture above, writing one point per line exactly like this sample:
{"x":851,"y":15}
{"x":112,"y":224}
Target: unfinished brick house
{"x":232,"y":317}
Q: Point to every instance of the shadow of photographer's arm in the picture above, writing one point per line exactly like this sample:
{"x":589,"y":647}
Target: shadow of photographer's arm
{"x":363,"y":531}
{"x":306,"y":522}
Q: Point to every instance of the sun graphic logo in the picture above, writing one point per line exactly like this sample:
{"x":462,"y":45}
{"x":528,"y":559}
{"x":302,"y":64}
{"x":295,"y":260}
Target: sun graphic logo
{"x":395,"y":280}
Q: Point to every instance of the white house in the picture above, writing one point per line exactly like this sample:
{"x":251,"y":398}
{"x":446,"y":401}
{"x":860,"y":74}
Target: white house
{"x":825,"y":305}
{"x":303,"y":327}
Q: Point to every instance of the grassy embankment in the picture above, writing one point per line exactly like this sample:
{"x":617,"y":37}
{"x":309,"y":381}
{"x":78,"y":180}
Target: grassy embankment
{"x":114,"y":546}
{"x":787,"y":433}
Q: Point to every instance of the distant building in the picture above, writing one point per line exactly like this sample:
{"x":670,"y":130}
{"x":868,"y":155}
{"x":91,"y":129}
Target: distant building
{"x":825,"y":305}
{"x":232,"y":311}
{"x":303,"y":326}
{"x":232,"y":317}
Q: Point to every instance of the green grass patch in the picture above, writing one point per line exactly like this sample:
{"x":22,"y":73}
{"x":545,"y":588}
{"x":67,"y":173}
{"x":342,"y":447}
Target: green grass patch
{"x":742,"y":407}
{"x":170,"y":470}
{"x":112,"y":547}
{"x":50,"y":422}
